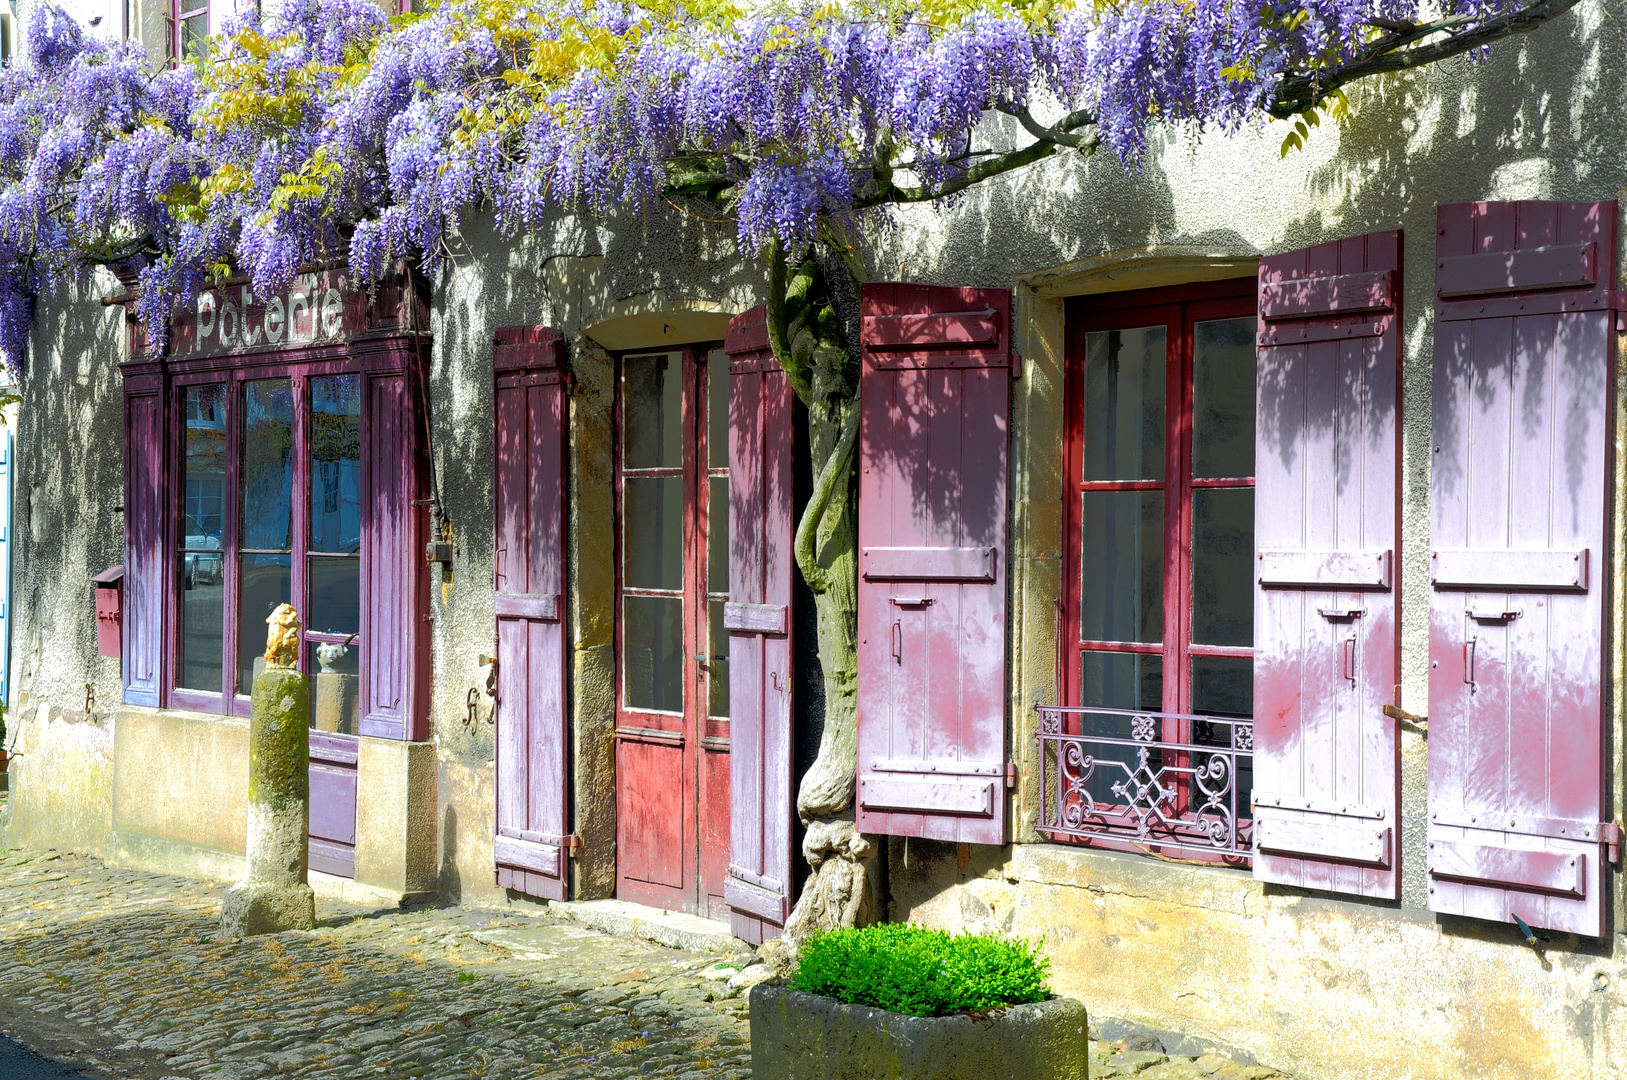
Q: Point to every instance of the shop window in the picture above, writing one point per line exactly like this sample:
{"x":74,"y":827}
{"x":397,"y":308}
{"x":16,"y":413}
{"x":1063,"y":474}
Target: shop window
{"x":270,"y":513}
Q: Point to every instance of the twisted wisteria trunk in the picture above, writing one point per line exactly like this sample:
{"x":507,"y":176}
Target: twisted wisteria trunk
{"x":806,"y":333}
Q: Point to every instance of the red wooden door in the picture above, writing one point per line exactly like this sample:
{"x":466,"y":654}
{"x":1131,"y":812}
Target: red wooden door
{"x":672,"y":722}
{"x":934,"y":395}
{"x":533,"y":833}
{"x":1523,"y":374}
{"x":1326,"y":645}
{"x":758,"y":619}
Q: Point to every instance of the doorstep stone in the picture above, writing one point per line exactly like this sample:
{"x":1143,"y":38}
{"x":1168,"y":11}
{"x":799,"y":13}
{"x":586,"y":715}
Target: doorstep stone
{"x":674,"y":929}
{"x":343,"y":890}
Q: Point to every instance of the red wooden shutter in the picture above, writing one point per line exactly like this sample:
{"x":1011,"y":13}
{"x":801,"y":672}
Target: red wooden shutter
{"x":395,"y":583}
{"x":1326,"y":637}
{"x":144,"y":549}
{"x":758,"y":617}
{"x":1522,"y":392}
{"x":533,"y":834}
{"x":935,"y":401}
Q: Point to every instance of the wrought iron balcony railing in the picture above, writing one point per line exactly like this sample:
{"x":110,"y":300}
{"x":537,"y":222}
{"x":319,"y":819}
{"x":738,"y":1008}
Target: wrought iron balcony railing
{"x":1164,"y":780}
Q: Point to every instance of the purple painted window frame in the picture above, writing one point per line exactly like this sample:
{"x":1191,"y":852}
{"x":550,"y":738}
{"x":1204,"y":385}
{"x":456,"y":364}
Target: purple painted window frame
{"x":401,"y":588}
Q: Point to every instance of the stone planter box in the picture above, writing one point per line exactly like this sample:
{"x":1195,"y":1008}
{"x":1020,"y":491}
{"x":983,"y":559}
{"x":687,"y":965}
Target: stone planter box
{"x":797,"y":1036}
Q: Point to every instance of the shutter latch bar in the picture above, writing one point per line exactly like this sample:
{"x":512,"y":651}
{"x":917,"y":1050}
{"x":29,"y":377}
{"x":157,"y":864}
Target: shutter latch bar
{"x":1493,"y":615}
{"x":1341,"y":613}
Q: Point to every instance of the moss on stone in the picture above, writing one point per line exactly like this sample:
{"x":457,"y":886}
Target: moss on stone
{"x":279,"y":750}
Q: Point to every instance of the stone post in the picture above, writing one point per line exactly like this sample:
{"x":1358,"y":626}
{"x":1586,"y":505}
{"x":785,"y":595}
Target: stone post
{"x":275,"y":896}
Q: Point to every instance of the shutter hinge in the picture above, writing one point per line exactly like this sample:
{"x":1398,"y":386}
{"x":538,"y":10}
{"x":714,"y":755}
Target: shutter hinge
{"x":573,"y":845}
{"x":1011,"y":775}
{"x":1612,"y":839}
{"x":1016,"y":364}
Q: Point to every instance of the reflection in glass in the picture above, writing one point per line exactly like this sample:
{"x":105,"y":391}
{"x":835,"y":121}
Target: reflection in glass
{"x":719,"y":680}
{"x":652,"y":411}
{"x":1117,"y":681}
{"x":717,"y":410}
{"x":1223,"y":374}
{"x":335,"y":673}
{"x":717,"y":538}
{"x":203,"y":580}
{"x":653,"y":653}
{"x":1124,"y":404}
{"x":1222,"y":566}
{"x":654,"y":525}
{"x":1224,"y":686}
{"x":263,"y":583}
{"x":202,"y":630}
{"x":267,"y":465}
{"x":336,"y":463}
{"x":1123,"y":566}
{"x":336,"y":598}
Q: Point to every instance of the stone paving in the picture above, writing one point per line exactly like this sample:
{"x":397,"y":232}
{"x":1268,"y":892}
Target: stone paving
{"x":120,"y":972}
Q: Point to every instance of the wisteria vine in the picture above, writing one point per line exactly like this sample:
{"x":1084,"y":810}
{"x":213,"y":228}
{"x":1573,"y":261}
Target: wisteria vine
{"x":325,"y":130}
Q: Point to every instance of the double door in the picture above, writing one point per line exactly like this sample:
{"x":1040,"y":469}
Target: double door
{"x":672,"y":719}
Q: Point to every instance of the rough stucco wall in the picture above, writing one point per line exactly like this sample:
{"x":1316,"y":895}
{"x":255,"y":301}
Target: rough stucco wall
{"x":69,"y":482}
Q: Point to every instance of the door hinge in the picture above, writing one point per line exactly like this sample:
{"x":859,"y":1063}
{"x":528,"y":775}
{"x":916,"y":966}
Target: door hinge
{"x":1011,"y":775}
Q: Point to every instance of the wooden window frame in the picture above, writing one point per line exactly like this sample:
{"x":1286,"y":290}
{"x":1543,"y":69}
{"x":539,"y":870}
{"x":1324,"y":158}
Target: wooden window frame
{"x":179,"y":14}
{"x":1178,"y":308}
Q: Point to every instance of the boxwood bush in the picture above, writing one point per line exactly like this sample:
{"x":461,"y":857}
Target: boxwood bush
{"x":920,"y":972}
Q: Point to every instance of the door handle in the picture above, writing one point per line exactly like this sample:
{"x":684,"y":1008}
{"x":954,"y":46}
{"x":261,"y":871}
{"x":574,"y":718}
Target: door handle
{"x":1468,"y":662}
{"x":1349,"y":651}
{"x":898,"y":642}
{"x":700,"y":662}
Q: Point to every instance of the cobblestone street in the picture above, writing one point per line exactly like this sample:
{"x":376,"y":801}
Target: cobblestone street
{"x":120,"y":973}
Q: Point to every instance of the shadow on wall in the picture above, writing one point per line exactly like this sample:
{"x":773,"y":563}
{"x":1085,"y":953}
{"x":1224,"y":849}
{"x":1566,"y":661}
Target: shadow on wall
{"x":69,"y":496}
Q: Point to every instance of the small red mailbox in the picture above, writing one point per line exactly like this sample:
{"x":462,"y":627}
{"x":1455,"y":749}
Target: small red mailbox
{"x":110,"y":611}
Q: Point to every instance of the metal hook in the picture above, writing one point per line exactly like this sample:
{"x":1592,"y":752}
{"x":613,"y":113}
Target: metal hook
{"x":472,"y":700}
{"x":90,"y":699}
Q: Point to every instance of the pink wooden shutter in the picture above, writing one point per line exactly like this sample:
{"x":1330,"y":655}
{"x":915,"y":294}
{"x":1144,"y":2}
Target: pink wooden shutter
{"x":532,"y":839}
{"x":758,"y":617}
{"x":144,"y":549}
{"x":935,"y":396}
{"x":1326,"y":638}
{"x":1524,"y":347}
{"x":395,"y":582}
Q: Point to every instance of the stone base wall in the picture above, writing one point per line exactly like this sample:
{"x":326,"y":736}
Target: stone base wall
{"x":1320,"y":988}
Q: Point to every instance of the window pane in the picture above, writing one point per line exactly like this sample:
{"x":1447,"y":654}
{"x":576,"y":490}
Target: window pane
{"x":336,"y":596}
{"x":719,"y":681}
{"x":652,"y":411}
{"x":1223,"y":566}
{"x":267,"y":468}
{"x":653,"y":653}
{"x":202,"y":638}
{"x":204,"y":466}
{"x":336,"y":463}
{"x":263,"y":585}
{"x":1124,"y":404}
{"x":1224,"y":686}
{"x":195,"y":37}
{"x":335,"y":672}
{"x":1123,"y":571}
{"x":717,"y":538}
{"x":717,"y":409}
{"x":1122,"y":681}
{"x":1223,"y":372}
{"x":654,"y":532}
{"x":1117,"y":681}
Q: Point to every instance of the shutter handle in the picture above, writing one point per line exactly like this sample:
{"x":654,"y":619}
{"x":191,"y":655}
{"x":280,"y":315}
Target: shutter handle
{"x":898,"y":642}
{"x":1468,"y":663}
{"x":1350,"y":659}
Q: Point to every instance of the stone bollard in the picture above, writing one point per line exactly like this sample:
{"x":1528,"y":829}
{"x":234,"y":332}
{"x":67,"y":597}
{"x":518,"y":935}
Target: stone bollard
{"x":275,"y":896}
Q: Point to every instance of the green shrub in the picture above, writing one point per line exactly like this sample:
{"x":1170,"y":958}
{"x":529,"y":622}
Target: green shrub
{"x":921,"y":972}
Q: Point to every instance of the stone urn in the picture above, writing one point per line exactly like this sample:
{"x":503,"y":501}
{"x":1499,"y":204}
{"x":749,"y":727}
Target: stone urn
{"x":798,"y":1036}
